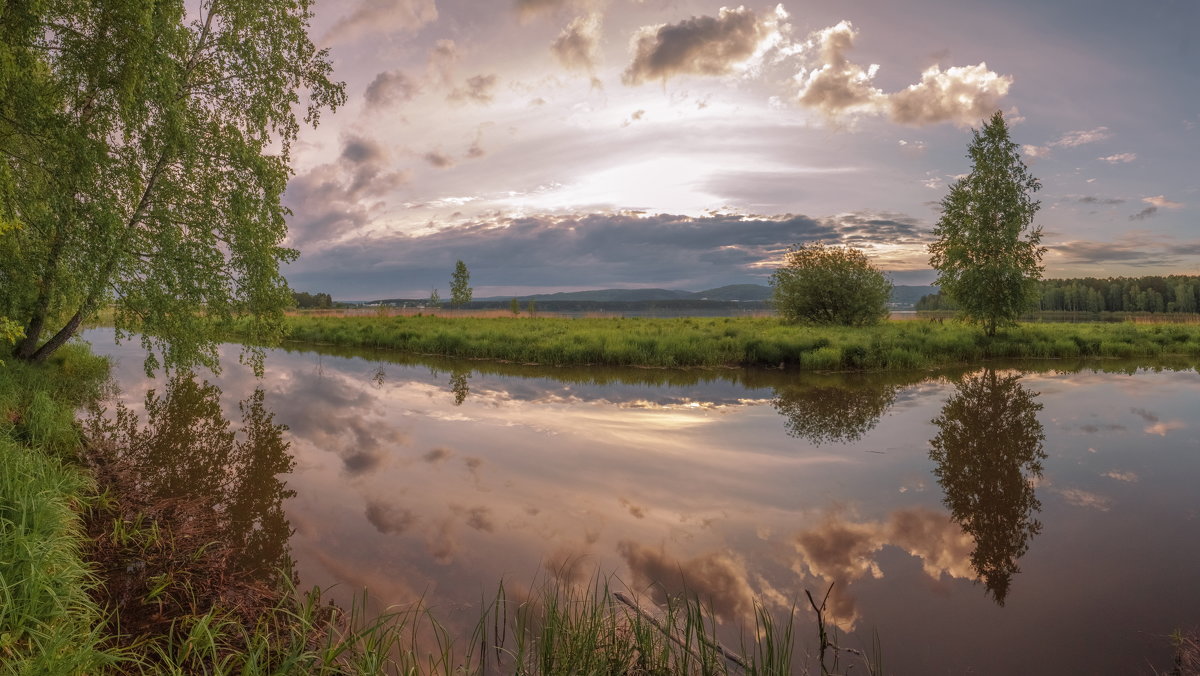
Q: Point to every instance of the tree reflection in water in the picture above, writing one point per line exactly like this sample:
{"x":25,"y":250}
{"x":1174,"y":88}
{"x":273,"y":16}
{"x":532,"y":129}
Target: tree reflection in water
{"x":988,"y":452}
{"x":188,"y":452}
{"x":459,"y":386}
{"x":834,"y":410}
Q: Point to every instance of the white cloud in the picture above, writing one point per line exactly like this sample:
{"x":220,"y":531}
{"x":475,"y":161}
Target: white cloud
{"x":1033,"y":151}
{"x":1120,"y":158}
{"x":381,"y":16}
{"x":1073,"y":139}
{"x":577,"y":46}
{"x":1162,"y":202}
{"x":836,"y":86}
{"x":960,"y":94}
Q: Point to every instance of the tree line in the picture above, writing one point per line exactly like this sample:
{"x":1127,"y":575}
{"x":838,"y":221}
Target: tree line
{"x":1157,"y":294}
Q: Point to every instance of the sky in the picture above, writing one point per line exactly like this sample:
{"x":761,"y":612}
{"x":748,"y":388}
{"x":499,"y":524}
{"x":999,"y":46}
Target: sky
{"x":558,"y":145}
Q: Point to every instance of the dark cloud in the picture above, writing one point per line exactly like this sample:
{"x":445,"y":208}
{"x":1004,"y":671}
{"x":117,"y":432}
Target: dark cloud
{"x":390,"y":87}
{"x":438,"y":159}
{"x":314,"y":416}
{"x":1128,"y":253}
{"x":389,"y":519}
{"x":637,"y":511}
{"x":621,"y":249}
{"x":333,"y":198}
{"x":701,"y":45}
{"x":381,"y":16}
{"x":717,"y":579}
{"x":1092,"y":199}
{"x":436,"y":455}
{"x":1144,"y":213}
{"x":480,"y":518}
{"x":1092,"y":428}
{"x":576,"y":47}
{"x":478,"y":89}
{"x":1145,"y":415}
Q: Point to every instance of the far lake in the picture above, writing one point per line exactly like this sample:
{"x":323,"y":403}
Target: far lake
{"x":1034,"y":517}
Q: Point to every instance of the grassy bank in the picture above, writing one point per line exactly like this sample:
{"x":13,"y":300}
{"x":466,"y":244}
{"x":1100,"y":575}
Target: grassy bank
{"x":717,"y":342}
{"x":48,"y":620}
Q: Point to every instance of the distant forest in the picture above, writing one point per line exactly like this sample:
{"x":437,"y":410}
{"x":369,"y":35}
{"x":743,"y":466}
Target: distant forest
{"x":303,"y":299}
{"x":1175,"y":293}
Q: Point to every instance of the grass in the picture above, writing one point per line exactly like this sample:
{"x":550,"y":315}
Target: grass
{"x":48,"y":620}
{"x":740,"y":342}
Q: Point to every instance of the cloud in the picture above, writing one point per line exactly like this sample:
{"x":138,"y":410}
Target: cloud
{"x":1120,"y":158}
{"x":1091,"y":199}
{"x":1074,"y":139}
{"x":478,"y":89}
{"x":701,"y":45}
{"x":1033,"y":151}
{"x":577,"y":46}
{"x":1136,"y":253}
{"x":960,"y":94}
{"x":479,"y":518}
{"x":836,"y":86}
{"x":1128,"y":477}
{"x":443,"y":60}
{"x":1082,"y":498}
{"x":438,"y":159}
{"x":841,"y":552}
{"x":527,"y":9}
{"x":334,"y":198}
{"x":437,"y":455}
{"x":1162,"y":202}
{"x":637,"y":511}
{"x":597,"y":249}
{"x":717,"y":579}
{"x":389,"y":519}
{"x":1144,"y":214}
{"x":390,"y":87}
{"x":381,"y":16}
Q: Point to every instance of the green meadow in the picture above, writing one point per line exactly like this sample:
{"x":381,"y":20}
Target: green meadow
{"x":741,"y":342}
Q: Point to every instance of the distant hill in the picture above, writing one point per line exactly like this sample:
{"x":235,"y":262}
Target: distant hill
{"x":909,"y":295}
{"x":901,"y":295}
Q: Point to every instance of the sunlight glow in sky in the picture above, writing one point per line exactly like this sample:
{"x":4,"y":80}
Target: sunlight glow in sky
{"x":520,"y":136}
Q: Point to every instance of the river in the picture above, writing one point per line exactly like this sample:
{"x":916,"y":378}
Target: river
{"x":1019,"y":518}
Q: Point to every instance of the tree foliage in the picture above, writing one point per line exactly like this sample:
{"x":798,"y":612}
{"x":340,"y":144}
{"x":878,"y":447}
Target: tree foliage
{"x":1173,"y":293}
{"x":306,"y":300}
{"x":460,"y":285}
{"x":144,"y":146}
{"x":987,"y":254}
{"x":988,"y":453}
{"x":821,"y":284}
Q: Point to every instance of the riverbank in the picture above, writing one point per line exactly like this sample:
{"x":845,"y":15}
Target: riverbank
{"x":739,"y":342}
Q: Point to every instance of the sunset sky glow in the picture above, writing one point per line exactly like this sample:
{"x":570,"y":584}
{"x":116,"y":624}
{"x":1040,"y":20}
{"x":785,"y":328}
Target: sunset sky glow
{"x":568,"y":144}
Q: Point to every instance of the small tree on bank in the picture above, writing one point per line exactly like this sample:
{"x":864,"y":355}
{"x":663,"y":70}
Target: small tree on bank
{"x":820,"y":284}
{"x":435,"y":299}
{"x":460,"y":289}
{"x":987,"y":253}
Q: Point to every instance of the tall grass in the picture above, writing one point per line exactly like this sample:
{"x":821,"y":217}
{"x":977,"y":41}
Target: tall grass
{"x":48,"y":621}
{"x":722,"y":342}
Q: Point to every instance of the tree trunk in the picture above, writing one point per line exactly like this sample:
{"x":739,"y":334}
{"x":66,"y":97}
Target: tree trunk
{"x":37,"y":320}
{"x":57,"y":340}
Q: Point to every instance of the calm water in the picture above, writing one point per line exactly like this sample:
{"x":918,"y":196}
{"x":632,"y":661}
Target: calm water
{"x":993,"y":521}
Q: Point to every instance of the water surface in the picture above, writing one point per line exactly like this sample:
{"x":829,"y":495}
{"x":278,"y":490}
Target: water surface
{"x":1028,"y":518}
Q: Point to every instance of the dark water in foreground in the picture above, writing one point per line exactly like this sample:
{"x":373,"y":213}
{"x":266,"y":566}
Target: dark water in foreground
{"x":992,"y":521}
